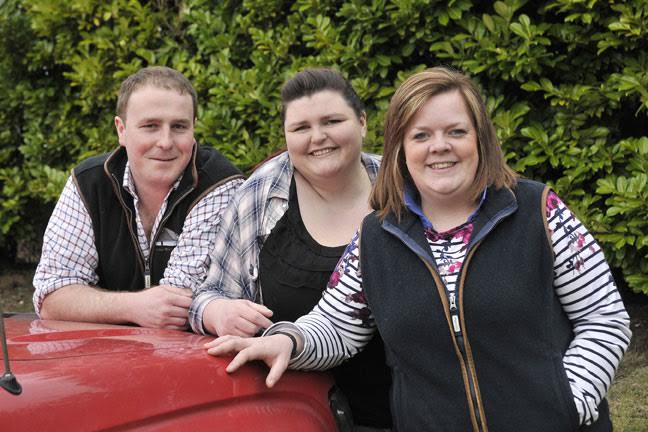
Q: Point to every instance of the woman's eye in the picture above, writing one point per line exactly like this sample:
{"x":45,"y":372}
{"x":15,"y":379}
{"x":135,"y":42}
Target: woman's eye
{"x":333,"y":121}
{"x":458,"y":132}
{"x":421,"y":136}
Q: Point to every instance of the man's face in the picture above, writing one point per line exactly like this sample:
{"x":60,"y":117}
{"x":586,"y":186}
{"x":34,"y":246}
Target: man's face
{"x":157,"y":132}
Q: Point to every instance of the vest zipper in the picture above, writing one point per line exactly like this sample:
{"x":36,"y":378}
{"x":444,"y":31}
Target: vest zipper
{"x":449,"y":301}
{"x":458,"y":334}
{"x":129,"y":218}
{"x":145,"y":263}
{"x":147,"y":275}
{"x":168,"y":212}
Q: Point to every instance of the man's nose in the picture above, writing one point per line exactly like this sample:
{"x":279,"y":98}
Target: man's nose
{"x":165,"y":139}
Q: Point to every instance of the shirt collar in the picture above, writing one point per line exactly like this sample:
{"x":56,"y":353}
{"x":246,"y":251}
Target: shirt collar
{"x":129,"y":184}
{"x":413,"y":204}
{"x":284,"y":171}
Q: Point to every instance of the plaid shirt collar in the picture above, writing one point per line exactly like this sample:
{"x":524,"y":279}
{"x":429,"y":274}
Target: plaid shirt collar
{"x":281,"y":184}
{"x":129,"y":183}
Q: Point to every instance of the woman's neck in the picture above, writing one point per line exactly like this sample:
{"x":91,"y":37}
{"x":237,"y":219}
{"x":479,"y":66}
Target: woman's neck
{"x":447,"y":215}
{"x":345,"y":186}
{"x":333,"y":209}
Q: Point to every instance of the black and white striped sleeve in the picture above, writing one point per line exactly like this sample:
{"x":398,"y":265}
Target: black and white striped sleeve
{"x":589,"y":296}
{"x":341,"y":323}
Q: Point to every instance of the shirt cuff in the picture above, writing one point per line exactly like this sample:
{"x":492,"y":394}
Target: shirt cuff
{"x":197,"y":309}
{"x":293,"y":329}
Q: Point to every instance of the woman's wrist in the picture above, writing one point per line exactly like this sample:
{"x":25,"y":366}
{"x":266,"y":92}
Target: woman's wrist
{"x":292,"y":331}
{"x":293,"y":340}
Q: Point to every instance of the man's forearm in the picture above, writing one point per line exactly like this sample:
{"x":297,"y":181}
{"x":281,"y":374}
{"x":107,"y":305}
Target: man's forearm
{"x":89,"y":304}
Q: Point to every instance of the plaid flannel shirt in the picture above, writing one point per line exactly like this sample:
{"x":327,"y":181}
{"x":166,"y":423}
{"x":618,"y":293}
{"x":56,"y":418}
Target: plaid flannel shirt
{"x":258,"y":205}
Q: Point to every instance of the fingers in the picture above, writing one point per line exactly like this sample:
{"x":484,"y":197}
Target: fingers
{"x":239,"y":360}
{"x":246,"y":328}
{"x":181,"y":301}
{"x":236,"y":317}
{"x":256,"y":315}
{"x":276,"y":371}
{"x":273,"y":350}
{"x":180,"y":297}
{"x":183,"y":292}
{"x":175,"y":312}
{"x":262,"y":309}
{"x":178,"y":328}
{"x":174,"y":323}
{"x":227,"y":345}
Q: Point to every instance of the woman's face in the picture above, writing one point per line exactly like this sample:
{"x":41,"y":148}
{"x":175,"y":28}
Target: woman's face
{"x":440,"y":146}
{"x":323,"y":134}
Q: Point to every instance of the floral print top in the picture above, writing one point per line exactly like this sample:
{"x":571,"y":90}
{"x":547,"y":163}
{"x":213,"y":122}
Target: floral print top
{"x":582,"y":281}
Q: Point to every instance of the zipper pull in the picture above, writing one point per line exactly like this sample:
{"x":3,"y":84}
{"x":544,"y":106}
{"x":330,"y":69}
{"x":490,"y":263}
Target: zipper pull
{"x":147,"y":276}
{"x":455,"y":324}
{"x":453,"y":301}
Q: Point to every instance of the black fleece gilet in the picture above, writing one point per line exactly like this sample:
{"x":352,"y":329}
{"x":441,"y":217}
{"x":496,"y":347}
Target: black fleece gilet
{"x":514,"y":329}
{"x":99,"y":180}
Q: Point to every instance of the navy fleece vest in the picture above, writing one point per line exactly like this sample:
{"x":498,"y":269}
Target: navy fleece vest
{"x":514,"y":329}
{"x":121,"y":263}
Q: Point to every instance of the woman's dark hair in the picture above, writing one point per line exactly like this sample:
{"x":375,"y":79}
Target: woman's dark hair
{"x":313,"y":80}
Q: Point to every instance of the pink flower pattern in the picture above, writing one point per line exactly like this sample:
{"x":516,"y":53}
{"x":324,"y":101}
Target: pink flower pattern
{"x":446,"y":241}
{"x":576,"y":243}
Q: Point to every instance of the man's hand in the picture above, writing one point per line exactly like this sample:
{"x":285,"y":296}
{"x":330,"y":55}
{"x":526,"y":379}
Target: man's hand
{"x":273,"y":350}
{"x":162,"y":306}
{"x":235,"y":317}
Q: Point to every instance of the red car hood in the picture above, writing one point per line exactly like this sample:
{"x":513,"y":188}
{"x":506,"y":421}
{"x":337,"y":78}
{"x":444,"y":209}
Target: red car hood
{"x":79,"y":376}
{"x":32,"y":339}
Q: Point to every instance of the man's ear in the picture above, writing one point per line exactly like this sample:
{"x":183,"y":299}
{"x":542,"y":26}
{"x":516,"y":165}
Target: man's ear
{"x":120,"y":125}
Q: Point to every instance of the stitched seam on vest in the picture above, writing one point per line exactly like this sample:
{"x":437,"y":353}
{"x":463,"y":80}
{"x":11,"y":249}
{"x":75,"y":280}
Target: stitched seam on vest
{"x":83,"y":199}
{"x":545,"y":222}
{"x":471,"y":361}
{"x":194,"y":169}
{"x":211,"y":188}
{"x":464,"y":373}
{"x":126,"y":211}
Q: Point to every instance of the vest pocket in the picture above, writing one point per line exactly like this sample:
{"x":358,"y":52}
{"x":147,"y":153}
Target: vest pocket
{"x":397,"y":405}
{"x":565,"y":395}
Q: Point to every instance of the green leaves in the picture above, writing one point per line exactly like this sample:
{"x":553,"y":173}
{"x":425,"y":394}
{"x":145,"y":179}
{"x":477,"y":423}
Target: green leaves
{"x":566,"y":83}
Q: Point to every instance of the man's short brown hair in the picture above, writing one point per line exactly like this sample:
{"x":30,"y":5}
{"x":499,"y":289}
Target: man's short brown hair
{"x":155,"y":76}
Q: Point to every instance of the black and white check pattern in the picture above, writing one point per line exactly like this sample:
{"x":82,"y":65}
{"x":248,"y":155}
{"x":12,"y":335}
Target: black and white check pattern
{"x":69,"y":255}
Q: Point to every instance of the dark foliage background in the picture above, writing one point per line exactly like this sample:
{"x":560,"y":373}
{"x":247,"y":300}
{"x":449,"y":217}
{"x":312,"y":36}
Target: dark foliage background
{"x":566,"y":80}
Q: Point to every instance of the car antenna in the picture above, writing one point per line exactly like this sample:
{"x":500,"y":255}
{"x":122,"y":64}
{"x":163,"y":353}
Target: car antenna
{"x":8,"y":380}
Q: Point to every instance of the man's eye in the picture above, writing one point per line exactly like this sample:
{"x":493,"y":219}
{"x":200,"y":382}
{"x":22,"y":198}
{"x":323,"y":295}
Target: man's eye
{"x":180,"y":126}
{"x":300,"y":128}
{"x":333,"y":121}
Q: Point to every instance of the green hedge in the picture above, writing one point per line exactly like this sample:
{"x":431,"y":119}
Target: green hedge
{"x":567,"y":85}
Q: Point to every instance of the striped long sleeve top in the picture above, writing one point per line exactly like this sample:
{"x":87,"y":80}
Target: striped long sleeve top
{"x":341,"y":324}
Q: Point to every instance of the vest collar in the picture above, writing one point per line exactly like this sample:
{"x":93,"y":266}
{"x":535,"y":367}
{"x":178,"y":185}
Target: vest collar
{"x":115,"y":167}
{"x":498,"y":204}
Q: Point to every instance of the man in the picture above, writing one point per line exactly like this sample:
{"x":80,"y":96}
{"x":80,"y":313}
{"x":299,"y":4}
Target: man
{"x":130,"y":235}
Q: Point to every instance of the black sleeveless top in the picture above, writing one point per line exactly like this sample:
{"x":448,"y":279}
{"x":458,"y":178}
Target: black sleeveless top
{"x":293,"y":271}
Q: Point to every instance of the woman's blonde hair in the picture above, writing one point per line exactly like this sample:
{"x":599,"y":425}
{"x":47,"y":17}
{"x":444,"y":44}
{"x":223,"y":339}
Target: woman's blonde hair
{"x":410,"y":97}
